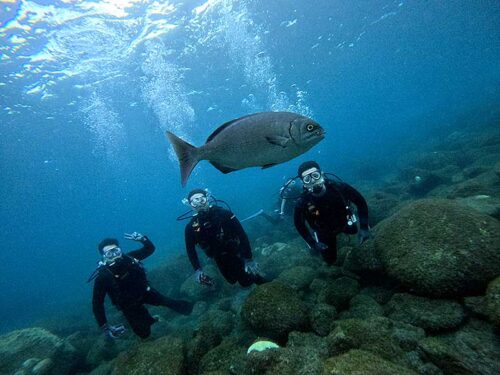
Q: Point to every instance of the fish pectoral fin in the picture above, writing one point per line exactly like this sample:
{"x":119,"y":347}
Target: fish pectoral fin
{"x":278,"y":140}
{"x":222,"y":168}
{"x":269,"y":165}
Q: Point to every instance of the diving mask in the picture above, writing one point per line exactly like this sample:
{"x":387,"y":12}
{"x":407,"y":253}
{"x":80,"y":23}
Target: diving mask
{"x":198,"y":201}
{"x":111,"y":253}
{"x":313,"y":180}
{"x":311,"y":177}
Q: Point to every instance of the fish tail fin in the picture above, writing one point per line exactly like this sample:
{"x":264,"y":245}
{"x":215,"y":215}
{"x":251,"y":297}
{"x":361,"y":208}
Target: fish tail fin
{"x":187,"y":154}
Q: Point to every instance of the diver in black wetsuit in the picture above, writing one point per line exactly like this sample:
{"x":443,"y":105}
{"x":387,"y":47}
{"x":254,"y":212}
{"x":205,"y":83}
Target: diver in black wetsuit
{"x":219,"y":233}
{"x":325,"y":206}
{"x":123,"y":278}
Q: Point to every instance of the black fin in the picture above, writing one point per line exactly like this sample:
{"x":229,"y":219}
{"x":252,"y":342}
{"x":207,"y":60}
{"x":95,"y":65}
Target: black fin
{"x":187,"y":155}
{"x":224,"y":126}
{"x":222,"y":168}
{"x":278,"y":140}
{"x":269,"y":165}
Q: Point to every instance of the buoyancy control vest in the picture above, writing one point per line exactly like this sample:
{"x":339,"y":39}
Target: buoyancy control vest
{"x":128,"y":281}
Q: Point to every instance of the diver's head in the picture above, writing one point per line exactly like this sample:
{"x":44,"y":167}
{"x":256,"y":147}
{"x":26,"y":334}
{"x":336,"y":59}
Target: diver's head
{"x":312,"y":177}
{"x":110,"y":250}
{"x":198,"y":200}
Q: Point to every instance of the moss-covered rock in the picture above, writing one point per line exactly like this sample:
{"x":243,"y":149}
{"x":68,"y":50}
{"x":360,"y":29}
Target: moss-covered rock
{"x":103,"y":369}
{"x":280,"y":257}
{"x":382,"y":205}
{"x":476,"y":306}
{"x":362,"y":258}
{"x":485,"y":204}
{"x":306,"y":339}
{"x":380,"y":294}
{"x":103,"y":350}
{"x":421,"y":181}
{"x":163,"y":356}
{"x":492,"y":301}
{"x":339,"y":292}
{"x":298,"y":277}
{"x":362,"y":307}
{"x":273,"y":309}
{"x":228,"y":357}
{"x":361,"y":362}
{"x":440,"y":248}
{"x":321,"y":317}
{"x":284,"y":361}
{"x":388,"y":339}
{"x":205,"y":338}
{"x":484,"y":184}
{"x":473,"y":349}
{"x":18,"y":346}
{"x":171,"y":274}
{"x":430,"y":314}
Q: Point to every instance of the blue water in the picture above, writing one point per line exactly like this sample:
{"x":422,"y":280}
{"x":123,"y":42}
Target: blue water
{"x":87,"y":90}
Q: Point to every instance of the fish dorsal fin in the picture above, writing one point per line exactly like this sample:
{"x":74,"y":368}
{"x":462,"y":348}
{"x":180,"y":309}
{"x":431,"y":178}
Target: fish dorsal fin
{"x":224,"y":126}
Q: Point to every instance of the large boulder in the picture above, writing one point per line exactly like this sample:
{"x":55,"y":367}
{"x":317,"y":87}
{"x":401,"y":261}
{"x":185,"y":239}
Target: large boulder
{"x":284,"y":361}
{"x":280,"y":256}
{"x":430,"y":314}
{"x":163,"y":356}
{"x":362,"y":258}
{"x":298,"y":277}
{"x":473,"y":349}
{"x":18,"y":346}
{"x":322,"y":316}
{"x":339,"y":292}
{"x":439,"y":248}
{"x":485,"y":204}
{"x":273,"y":309}
{"x":492,"y":301}
{"x":361,"y":362}
{"x":228,"y":357}
{"x":362,"y":306}
{"x":485,"y":184}
{"x":393,"y":341}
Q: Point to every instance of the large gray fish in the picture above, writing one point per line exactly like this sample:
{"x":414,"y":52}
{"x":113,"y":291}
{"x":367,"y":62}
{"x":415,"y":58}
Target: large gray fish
{"x":258,"y":140}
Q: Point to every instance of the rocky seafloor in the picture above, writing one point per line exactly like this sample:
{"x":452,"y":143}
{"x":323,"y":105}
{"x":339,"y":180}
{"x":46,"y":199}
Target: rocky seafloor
{"x":421,"y":297}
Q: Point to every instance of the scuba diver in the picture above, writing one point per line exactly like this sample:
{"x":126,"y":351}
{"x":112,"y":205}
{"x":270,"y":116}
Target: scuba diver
{"x":289,"y":194}
{"x":325,"y":205}
{"x":285,"y":204}
{"x":219,"y":233}
{"x":123,"y":278}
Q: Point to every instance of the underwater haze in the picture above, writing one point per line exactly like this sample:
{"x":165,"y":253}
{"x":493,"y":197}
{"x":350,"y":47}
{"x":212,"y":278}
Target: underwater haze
{"x":89,"y":88}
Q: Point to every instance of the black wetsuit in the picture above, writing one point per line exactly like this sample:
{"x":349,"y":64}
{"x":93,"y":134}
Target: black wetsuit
{"x":219,"y":233}
{"x":327,"y":214}
{"x":126,"y":284}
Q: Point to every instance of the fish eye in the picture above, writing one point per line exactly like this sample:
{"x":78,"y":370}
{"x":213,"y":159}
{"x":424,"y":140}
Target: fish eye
{"x":310,"y":127}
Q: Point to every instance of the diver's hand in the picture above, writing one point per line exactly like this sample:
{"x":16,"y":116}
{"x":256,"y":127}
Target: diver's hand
{"x":202,"y":278}
{"x":251,"y":267}
{"x":135,"y":237}
{"x":318,"y":248}
{"x":363,"y":235}
{"x":113,"y":332}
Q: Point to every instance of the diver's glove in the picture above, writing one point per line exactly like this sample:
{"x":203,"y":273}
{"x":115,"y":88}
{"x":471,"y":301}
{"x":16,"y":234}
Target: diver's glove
{"x":202,"y":278}
{"x":318,"y":248}
{"x":251,"y":267}
{"x":363,"y":235}
{"x":135,"y":237}
{"x":113,"y":332}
